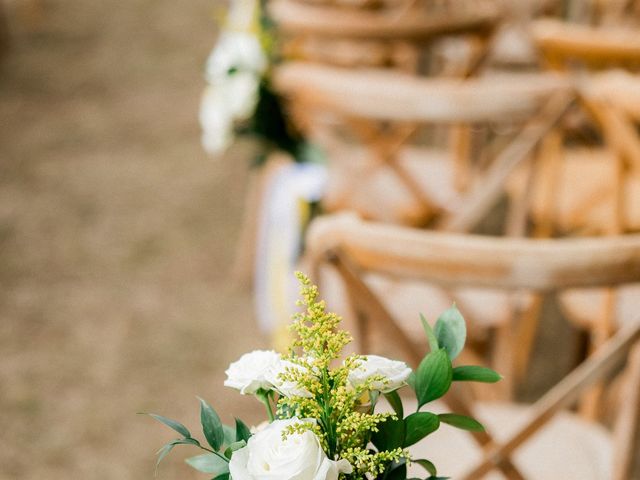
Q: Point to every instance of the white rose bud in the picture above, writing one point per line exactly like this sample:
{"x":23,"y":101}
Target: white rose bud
{"x":250,"y":372}
{"x":298,"y":457}
{"x":287,"y":388}
{"x":394,"y":372}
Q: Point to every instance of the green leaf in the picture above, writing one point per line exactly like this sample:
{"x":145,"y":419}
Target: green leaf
{"x":418,"y":425}
{"x":224,"y":476}
{"x":390,"y":434}
{"x":451,"y":331}
{"x":209,"y":463}
{"x":211,"y":425}
{"x":177,"y":426}
{"x":474,"y":373}
{"x":461,"y":421}
{"x":427,"y":465}
{"x":233,"y":447}
{"x":411,"y":381}
{"x":229,"y":434}
{"x":431,"y":336}
{"x":163,"y":452}
{"x":242,"y":431}
{"x":396,"y":471}
{"x":396,"y":403}
{"x":433,"y":377}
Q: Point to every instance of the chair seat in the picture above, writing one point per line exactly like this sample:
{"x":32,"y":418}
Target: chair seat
{"x":585,"y":306}
{"x":586,"y":193}
{"x":360,"y":183}
{"x":483,"y":308}
{"x":566,"y":448}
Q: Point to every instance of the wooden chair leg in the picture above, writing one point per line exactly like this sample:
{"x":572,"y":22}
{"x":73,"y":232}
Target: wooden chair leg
{"x":627,"y":430}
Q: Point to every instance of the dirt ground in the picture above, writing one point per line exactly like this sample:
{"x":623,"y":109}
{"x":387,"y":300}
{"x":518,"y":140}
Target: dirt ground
{"x":116,"y":238}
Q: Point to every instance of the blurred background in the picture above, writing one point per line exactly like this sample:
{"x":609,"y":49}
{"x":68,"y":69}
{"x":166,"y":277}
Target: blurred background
{"x":117,"y":233}
{"x":146,"y":241}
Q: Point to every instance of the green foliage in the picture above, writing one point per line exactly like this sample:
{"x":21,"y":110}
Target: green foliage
{"x":209,"y":463}
{"x":451,"y":331}
{"x":418,"y":425}
{"x":461,"y":421}
{"x":211,"y":425}
{"x":474,"y":373}
{"x":396,"y":403}
{"x":242,"y":431}
{"x":346,"y":422}
{"x":433,"y":377}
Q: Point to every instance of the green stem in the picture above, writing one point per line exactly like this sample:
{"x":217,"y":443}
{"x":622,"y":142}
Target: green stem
{"x":264,"y":398}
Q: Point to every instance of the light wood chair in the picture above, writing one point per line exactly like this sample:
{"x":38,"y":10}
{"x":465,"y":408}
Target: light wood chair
{"x":360,"y":251}
{"x":366,"y":119}
{"x":593,"y":190}
{"x":389,"y":34}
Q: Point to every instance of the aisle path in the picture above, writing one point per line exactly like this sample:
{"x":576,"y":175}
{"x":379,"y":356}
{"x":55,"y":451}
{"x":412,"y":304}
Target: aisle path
{"x":116,"y":235}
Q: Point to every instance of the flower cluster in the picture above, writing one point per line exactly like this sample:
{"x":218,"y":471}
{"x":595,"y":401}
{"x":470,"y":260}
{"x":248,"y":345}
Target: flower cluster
{"x":323,"y":423}
{"x":234,"y":72}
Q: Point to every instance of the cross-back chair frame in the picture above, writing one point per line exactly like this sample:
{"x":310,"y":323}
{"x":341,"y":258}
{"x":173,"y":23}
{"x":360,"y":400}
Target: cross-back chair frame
{"x":353,"y":247}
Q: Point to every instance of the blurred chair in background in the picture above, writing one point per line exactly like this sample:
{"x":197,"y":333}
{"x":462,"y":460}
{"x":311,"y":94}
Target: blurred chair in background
{"x":367,"y":119}
{"x":400,"y":34}
{"x":360,"y":252}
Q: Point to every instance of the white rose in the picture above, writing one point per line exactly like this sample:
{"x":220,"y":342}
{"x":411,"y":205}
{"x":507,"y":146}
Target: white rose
{"x":241,"y":94}
{"x":216,"y":121}
{"x":235,"y":51}
{"x":249,"y":373}
{"x":287,"y":388}
{"x":395,"y":373}
{"x":298,"y":457}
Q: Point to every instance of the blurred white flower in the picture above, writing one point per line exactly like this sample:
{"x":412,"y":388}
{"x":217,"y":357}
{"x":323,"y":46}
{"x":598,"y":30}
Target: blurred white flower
{"x":394,"y":372}
{"x":249,"y":374}
{"x":287,"y":388}
{"x":234,"y":71}
{"x":235,"y":51}
{"x":216,"y":121}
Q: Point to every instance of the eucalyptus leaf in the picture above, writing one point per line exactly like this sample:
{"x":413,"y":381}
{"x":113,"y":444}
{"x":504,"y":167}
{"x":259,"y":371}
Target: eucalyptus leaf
{"x":163,"y":452}
{"x":211,"y":425}
{"x":209,"y":463}
{"x":461,"y":421}
{"x":177,"y":426}
{"x":418,"y":425}
{"x":451,"y":331}
{"x":474,"y":373}
{"x":242,"y":431}
{"x":224,"y":476}
{"x":431,"y":336}
{"x":229,"y":434}
{"x":396,"y":403}
{"x":433,"y":377}
{"x":233,"y":447}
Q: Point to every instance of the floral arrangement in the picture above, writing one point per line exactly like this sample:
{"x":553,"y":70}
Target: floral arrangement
{"x":322,"y":418}
{"x":239,"y":98}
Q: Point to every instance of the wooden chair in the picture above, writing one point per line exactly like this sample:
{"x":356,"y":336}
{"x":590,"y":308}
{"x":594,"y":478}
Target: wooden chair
{"x":359,"y":251}
{"x":387,"y":34}
{"x":381,"y":111}
{"x":606,"y":199}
